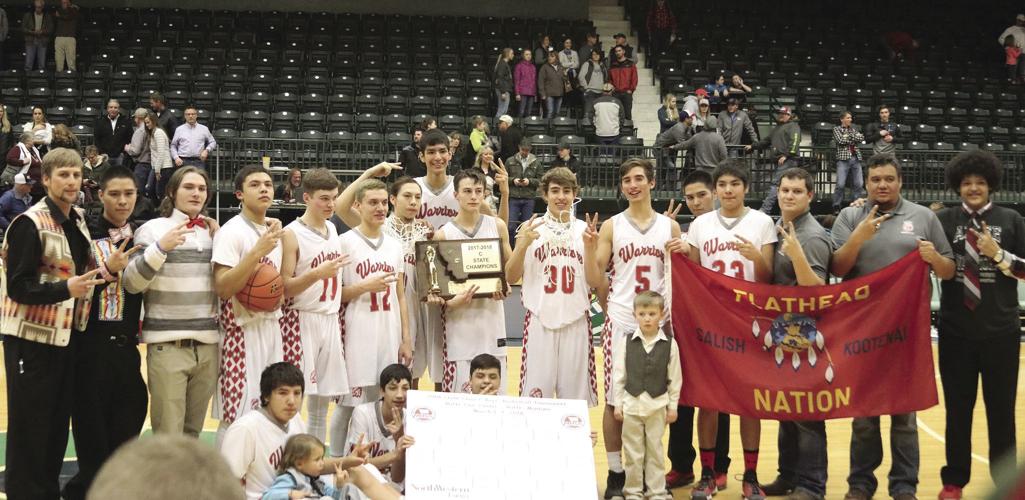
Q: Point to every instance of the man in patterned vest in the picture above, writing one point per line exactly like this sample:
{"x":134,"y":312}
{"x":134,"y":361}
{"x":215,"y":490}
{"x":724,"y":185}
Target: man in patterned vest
{"x":50,"y":279}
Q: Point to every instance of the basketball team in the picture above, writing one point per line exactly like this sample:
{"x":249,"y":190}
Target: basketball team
{"x":261,"y":317}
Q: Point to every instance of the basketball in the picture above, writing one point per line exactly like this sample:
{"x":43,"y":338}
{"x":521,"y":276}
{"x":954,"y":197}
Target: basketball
{"x":263,"y":290}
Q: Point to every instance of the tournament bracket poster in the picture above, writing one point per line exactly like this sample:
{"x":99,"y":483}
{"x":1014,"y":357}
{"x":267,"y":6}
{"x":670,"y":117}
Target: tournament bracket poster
{"x":854,"y":349}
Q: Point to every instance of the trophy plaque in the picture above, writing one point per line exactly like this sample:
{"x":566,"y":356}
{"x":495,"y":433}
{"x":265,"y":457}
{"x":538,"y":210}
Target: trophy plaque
{"x":449,"y":267}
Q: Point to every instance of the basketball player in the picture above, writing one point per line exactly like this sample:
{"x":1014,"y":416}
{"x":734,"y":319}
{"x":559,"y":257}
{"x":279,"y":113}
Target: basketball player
{"x":472,"y":326}
{"x":251,"y":340}
{"x":633,"y":243}
{"x":438,"y":207}
{"x":736,"y":241}
{"x":376,"y":329}
{"x":699,"y":197}
{"x":549,"y":256}
{"x":379,"y":423}
{"x":311,"y":265}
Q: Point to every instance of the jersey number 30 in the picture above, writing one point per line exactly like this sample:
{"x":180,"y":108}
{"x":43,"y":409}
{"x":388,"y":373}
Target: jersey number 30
{"x":566,"y":276}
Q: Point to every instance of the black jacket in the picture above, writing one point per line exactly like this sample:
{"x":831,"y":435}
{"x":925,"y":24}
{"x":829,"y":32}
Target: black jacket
{"x":573,"y":163}
{"x":409,"y":158}
{"x":503,"y":77}
{"x":111,"y":142}
{"x":510,"y":142}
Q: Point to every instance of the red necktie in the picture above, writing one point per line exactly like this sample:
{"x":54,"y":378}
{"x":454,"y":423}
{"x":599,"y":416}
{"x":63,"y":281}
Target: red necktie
{"x":972,"y":288}
{"x":198,"y":221}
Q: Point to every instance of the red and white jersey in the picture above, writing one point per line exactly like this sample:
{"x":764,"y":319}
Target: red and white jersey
{"x":554,"y":288}
{"x":373,"y":321}
{"x":478,"y":327}
{"x":231,"y":242}
{"x":638,"y":264}
{"x":437,"y":207}
{"x":715,"y":237}
{"x":253,"y":446}
{"x":316,"y":248}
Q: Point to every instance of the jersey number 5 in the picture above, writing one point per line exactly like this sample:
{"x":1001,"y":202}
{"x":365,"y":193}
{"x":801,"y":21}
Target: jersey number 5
{"x":567,"y":276}
{"x":643,"y":283}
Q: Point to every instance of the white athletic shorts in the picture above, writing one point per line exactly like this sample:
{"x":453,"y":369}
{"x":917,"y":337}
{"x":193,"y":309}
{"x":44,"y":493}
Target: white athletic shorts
{"x":421,"y":352}
{"x":238,"y":386}
{"x":359,"y":395}
{"x":558,"y":363}
{"x":323,"y":360}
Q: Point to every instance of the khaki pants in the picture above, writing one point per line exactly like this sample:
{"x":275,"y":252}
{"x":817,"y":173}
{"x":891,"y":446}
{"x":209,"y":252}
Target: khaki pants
{"x":181,"y":382}
{"x":64,"y":49}
{"x":642,"y":455}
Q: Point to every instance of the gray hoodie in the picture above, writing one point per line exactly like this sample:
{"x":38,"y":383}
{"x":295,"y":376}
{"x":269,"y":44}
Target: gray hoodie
{"x":732,"y":127}
{"x":708,"y":148}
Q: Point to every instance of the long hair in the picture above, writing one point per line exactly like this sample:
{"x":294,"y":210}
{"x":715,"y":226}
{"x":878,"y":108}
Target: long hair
{"x":167,"y":203}
{"x":289,"y":188}
{"x":5,"y":122}
{"x":673,"y":113}
{"x":480,"y":155}
{"x":502,"y":55}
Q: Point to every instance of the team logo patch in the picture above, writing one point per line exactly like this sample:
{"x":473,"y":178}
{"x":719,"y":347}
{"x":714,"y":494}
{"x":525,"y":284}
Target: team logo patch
{"x":536,"y":393}
{"x":357,"y":392}
{"x":423,"y":414}
{"x":908,"y":227}
{"x":793,"y":334}
{"x":572,"y":421}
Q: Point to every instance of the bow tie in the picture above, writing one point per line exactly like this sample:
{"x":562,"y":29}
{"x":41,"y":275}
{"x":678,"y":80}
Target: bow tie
{"x":121,"y":233}
{"x":198,"y":221}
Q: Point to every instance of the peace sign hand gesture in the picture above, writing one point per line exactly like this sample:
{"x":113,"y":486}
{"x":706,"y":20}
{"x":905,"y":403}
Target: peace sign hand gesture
{"x":79,"y":286}
{"x":672,"y":212}
{"x":867,"y":228}
{"x":591,"y":233}
{"x":987,"y":245}
{"x":791,"y":246}
{"x":528,"y":231}
{"x":118,"y":259}
{"x":501,"y":176}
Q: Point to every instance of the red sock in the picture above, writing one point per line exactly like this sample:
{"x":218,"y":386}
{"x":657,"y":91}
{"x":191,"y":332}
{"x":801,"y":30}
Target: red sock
{"x":750,"y":460}
{"x":707,"y":459}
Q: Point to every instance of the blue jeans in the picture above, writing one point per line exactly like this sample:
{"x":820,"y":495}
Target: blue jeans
{"x":526,"y":105}
{"x":802,"y":455}
{"x":552,"y":105}
{"x":503,"y":104}
{"x":867,"y":454}
{"x":193,"y":162}
{"x":848,"y":169}
{"x":520,"y":210}
{"x":35,"y":51}
{"x":142,"y":171}
{"x":769,"y":203}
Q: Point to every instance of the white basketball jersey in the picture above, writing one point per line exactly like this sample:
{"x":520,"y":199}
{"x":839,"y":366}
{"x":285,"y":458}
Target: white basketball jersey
{"x":638,"y":264}
{"x":479,"y":327}
{"x":554,"y":288}
{"x":373,"y":321}
{"x":253,"y":447}
{"x":315,"y":248}
{"x":716,"y":239}
{"x":438,"y":207}
{"x":231,"y":242}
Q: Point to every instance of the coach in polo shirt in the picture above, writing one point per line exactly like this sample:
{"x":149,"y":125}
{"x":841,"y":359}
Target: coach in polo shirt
{"x":802,"y":259}
{"x":869,"y":238}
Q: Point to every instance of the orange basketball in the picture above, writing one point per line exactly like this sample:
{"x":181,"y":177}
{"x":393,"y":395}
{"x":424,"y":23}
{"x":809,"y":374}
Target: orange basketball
{"x":263,"y":290}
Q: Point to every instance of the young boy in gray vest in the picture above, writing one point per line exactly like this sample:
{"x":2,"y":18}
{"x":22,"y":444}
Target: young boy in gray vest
{"x":646,"y":378}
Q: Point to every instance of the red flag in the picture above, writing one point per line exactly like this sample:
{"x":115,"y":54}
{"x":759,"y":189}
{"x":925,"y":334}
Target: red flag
{"x":859,"y":348}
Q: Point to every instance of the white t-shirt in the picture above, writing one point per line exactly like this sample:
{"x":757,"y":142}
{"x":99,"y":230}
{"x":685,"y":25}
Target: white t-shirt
{"x":231,"y":242}
{"x":715,"y":238}
{"x":253,"y":447}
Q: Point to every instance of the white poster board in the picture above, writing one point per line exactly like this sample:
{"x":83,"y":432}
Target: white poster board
{"x":498,"y":447}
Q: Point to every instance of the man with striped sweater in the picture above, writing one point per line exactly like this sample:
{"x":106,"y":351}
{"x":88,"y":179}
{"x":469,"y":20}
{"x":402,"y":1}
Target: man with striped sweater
{"x":175,"y":275}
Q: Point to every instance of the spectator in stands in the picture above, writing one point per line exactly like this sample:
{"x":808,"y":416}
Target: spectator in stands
{"x":503,"y":81}
{"x":544,"y":46}
{"x":608,"y":114}
{"x":479,"y":135}
{"x":882,"y":134}
{"x":6,"y":131}
{"x":4,"y":31}
{"x":707,"y":146}
{"x":111,"y":132}
{"x":525,"y":76}
{"x":1017,"y":31}
{"x":623,"y":75}
{"x":1011,"y":54}
{"x":485,"y":162}
{"x":690,"y":102}
{"x":64,"y":44}
{"x":704,"y":112}
{"x":509,"y":137}
{"x":292,"y":190}
{"x":717,"y":89}
{"x":733,"y":121}
{"x":461,"y":156}
{"x":848,"y":160}
{"x":591,"y":43}
{"x":22,"y":158}
{"x":668,"y":115}
{"x":192,"y":142}
{"x":409,"y":157}
{"x":42,"y":131}
{"x":569,"y":60}
{"x":160,"y":157}
{"x":550,"y":85}
{"x":428,"y":123}
{"x":661,"y":24}
{"x":621,"y":42}
{"x":899,"y":46}
{"x":95,"y":165}
{"x":739,"y":89}
{"x":62,"y":137}
{"x":524,"y":178}
{"x":139,"y":150}
{"x":165,"y":118}
{"x":592,"y":78}
{"x":564,"y":157}
{"x":784,"y":141}
{"x":15,"y":201}
{"x":670,"y":142}
{"x":37,"y":25}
